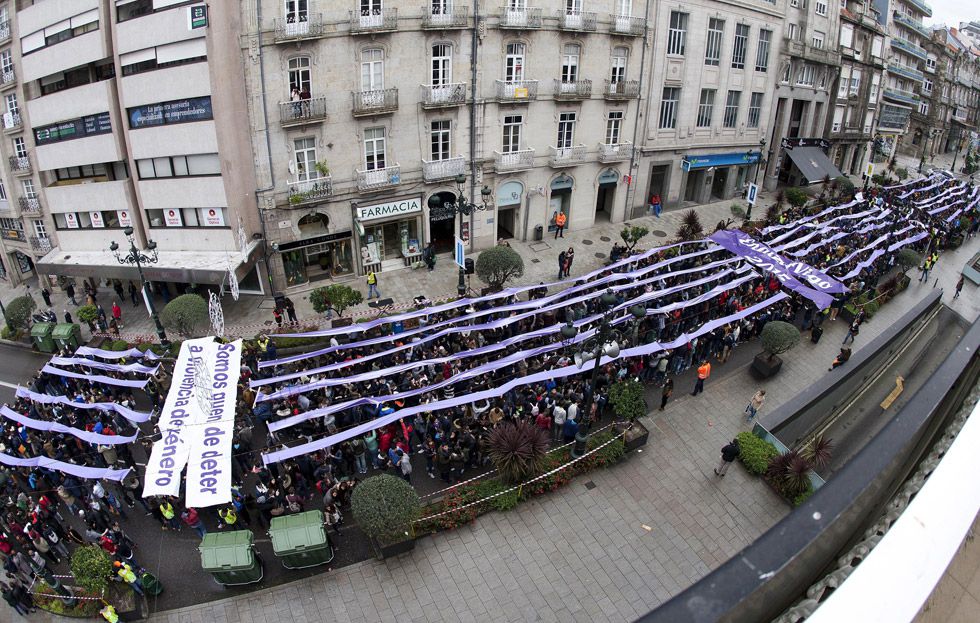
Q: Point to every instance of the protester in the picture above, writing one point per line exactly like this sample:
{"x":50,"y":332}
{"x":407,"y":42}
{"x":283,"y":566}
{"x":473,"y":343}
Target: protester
{"x":728,"y":454}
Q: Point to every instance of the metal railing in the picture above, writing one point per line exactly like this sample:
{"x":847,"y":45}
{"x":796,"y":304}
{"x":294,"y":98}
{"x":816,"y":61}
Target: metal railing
{"x":433,"y":170}
{"x":627,"y":25}
{"x":912,"y":23}
{"x":292,"y":29}
{"x":448,"y":17}
{"x":905,"y":71}
{"x":379,"y":178}
{"x":621,"y":89}
{"x":378,"y":20}
{"x":567,"y":156}
{"x":8,"y":77}
{"x":40,"y":243}
{"x":611,"y":152}
{"x":899,"y":95}
{"x":11,"y":120}
{"x":520,"y":18}
{"x":577,"y":20}
{"x":513,"y":160}
{"x":4,"y":30}
{"x":438,"y":95}
{"x":312,"y":109}
{"x":13,"y":234}
{"x":313,"y":189}
{"x":908,"y":47}
{"x":516,"y":90}
{"x":29,"y":205}
{"x":922,"y":6}
{"x":375,"y":102}
{"x":20,"y":164}
{"x":580,"y":89}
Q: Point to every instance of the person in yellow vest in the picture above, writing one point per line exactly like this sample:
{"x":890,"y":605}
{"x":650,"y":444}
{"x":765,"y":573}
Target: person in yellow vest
{"x":109,"y":614}
{"x":704,"y":371}
{"x":128,"y":576}
{"x":229,"y":517}
{"x":560,"y":220}
{"x":372,"y":284}
{"x":926,"y":267}
{"x":169,"y":516}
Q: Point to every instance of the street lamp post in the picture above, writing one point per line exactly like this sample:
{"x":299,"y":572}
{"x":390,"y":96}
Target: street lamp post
{"x":602,"y":343}
{"x":758,"y":169}
{"x":138,"y":257}
{"x":959,"y":147}
{"x":440,"y":209}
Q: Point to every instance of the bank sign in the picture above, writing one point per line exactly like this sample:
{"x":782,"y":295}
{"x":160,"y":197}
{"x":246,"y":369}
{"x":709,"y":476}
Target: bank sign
{"x":385,"y":210}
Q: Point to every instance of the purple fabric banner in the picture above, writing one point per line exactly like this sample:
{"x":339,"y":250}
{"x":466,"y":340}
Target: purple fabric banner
{"x":126,"y":412}
{"x":494,"y":392}
{"x":95,"y":378}
{"x":112,"y":367}
{"x":84,"y":435}
{"x":133,"y":353}
{"x":90,"y":473}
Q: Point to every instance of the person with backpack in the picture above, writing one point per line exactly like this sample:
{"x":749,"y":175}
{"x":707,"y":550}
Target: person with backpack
{"x":728,"y":454}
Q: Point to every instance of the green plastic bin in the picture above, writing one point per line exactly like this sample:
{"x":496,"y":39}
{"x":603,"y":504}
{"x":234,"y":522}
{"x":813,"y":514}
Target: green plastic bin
{"x":41,"y":336}
{"x":230,"y":557}
{"x":67,"y":336}
{"x":300,"y":540}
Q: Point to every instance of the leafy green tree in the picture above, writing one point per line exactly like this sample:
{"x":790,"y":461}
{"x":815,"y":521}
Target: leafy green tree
{"x":845,"y":187}
{"x":19,"y":312}
{"x":497,"y":265}
{"x":907,"y":258}
{"x":385,"y":506}
{"x":186,"y":315}
{"x":626,"y":397}
{"x":779,"y":337}
{"x":336,"y":297}
{"x":632,"y":234}
{"x":91,"y":566}
{"x":796,"y":197}
{"x":901,"y":173}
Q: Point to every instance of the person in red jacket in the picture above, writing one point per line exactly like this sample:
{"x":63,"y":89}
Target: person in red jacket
{"x":191,"y":519}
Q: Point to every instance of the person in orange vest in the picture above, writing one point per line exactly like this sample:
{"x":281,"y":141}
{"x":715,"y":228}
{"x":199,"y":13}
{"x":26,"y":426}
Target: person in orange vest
{"x":560,"y":220}
{"x":704,"y":371}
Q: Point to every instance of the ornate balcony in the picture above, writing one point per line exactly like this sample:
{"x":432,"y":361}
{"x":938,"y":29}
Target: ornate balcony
{"x":577,"y":20}
{"x":611,"y":152}
{"x":621,"y":90}
{"x":904,"y":97}
{"x":910,"y":22}
{"x":11,"y":121}
{"x":905,"y":72}
{"x":308,"y":191}
{"x":303,"y":111}
{"x":435,"y":170}
{"x":513,"y":161}
{"x":16,"y":235}
{"x":20,"y":165}
{"x":908,"y":47}
{"x":383,"y":20}
{"x":521,"y":19}
{"x":8,"y":78}
{"x":924,"y":8}
{"x":627,"y":25}
{"x":578,"y":90}
{"x":291,"y":29}
{"x":29,"y":205}
{"x":516,"y":90}
{"x":379,"y":102}
{"x":567,"y":156}
{"x":379,"y":178}
{"x":4,"y":31}
{"x":438,"y":18}
{"x":40,"y":243}
{"x":442,"y":95}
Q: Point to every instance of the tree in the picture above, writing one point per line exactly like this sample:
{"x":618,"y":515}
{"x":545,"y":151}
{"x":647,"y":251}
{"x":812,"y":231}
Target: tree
{"x":88,"y":314}
{"x":385,"y":506}
{"x":91,"y":567}
{"x":907,"y":258}
{"x":691,"y":227}
{"x":845,"y":187}
{"x":518,"y":450}
{"x":497,"y":265}
{"x":626,"y":397}
{"x":796,"y":197}
{"x":901,"y":173}
{"x":632,"y":234}
{"x":779,"y":337}
{"x":336,"y":297}
{"x":186,"y":314}
{"x":19,"y":312}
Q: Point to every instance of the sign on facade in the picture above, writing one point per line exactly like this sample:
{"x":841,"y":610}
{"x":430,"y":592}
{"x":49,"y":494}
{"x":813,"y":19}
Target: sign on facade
{"x":390,"y":208}
{"x":197,"y":16}
{"x":752,"y":194}
{"x":460,"y":255}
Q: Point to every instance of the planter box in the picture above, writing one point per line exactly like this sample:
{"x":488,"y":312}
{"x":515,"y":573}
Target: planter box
{"x":386,"y":549}
{"x":765,"y":367}
{"x":955,"y":242}
{"x":636,"y":436}
{"x":341,"y":322}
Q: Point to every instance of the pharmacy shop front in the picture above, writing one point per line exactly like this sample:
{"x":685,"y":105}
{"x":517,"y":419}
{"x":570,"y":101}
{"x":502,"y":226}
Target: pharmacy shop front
{"x":388,"y":235}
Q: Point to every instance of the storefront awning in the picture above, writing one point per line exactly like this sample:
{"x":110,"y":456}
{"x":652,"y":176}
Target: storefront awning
{"x":692,"y":162}
{"x":203,"y":267}
{"x":813,"y":163}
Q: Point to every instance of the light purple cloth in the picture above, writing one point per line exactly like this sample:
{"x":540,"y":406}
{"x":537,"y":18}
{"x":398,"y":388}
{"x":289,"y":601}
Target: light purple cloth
{"x":133,"y":353}
{"x":95,"y":378}
{"x":130,"y":414}
{"x":84,"y":435}
{"x":90,"y":473}
{"x":113,"y":367}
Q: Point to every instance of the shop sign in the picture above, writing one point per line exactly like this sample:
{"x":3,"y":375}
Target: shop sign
{"x":172,"y":218}
{"x":71,"y":219}
{"x":97,"y":219}
{"x":306,"y":242}
{"x":125,"y":219}
{"x":391,"y":208}
{"x":213,"y":217}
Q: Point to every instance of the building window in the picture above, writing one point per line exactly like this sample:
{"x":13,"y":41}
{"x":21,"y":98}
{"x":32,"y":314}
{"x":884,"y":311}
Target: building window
{"x":29,"y":191}
{"x":39,"y":229}
{"x":374,"y":149}
{"x":846,"y":35}
{"x":817,"y":39}
{"x":731,"y":108}
{"x":514,"y":63}
{"x":805,"y":76}
{"x":439,"y":134}
{"x":194,"y":165}
{"x":924,"y":108}
{"x":740,"y":46}
{"x":3,"y":191}
{"x":845,"y":81}
{"x":668,"y":108}
{"x":868,"y":120}
{"x":792,"y":32}
{"x":677,"y":35}
{"x":875,"y":85}
{"x":762,"y":54}
{"x":712,"y":50}
{"x":838,"y":119}
{"x":442,"y":64}
{"x":706,"y":108}
{"x":821,"y":7}
{"x":930,"y":64}
{"x":10,"y":100}
{"x":305,"y":150}
{"x":20,"y":148}
{"x":927,"y":86}
{"x":619,"y":58}
{"x":787,"y":69}
{"x":373,"y":70}
{"x":513,"y":125}
{"x":299,"y":75}
{"x":614,"y":126}
{"x":297,"y":11}
{"x":6,"y":61}
{"x":755,"y":110}
{"x":566,"y":130}
{"x":877,"y":45}
{"x":569,"y":63}
{"x":855,"y":81}
{"x":174,"y":217}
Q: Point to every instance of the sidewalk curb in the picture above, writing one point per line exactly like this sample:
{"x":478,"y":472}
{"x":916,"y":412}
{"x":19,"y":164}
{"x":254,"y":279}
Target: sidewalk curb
{"x":17,"y":344}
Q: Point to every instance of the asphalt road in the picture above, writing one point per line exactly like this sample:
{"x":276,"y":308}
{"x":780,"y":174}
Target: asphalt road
{"x":17,"y":366}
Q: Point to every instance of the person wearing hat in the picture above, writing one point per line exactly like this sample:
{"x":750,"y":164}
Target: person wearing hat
{"x":124,"y":571}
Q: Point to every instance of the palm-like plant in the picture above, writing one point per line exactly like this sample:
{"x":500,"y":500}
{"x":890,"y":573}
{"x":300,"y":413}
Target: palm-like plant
{"x":796,"y":480}
{"x":818,"y":452}
{"x":691,"y":227}
{"x":518,"y":450}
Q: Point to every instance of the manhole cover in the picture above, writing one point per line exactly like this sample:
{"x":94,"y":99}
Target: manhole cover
{"x":535,"y":260}
{"x":659,"y":233}
{"x":605,"y":238}
{"x":601,"y":256}
{"x":590,"y":485}
{"x":587,"y":242}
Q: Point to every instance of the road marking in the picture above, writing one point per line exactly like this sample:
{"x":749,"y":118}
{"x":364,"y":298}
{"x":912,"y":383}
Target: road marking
{"x":10,"y":385}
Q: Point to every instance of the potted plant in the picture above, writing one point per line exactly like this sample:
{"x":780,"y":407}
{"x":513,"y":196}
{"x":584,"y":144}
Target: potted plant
{"x":88,"y":314}
{"x":335,"y":298}
{"x":497,"y":265}
{"x":322,"y":168}
{"x":385,"y":508}
{"x":626,"y":398}
{"x":778,"y":337}
{"x":907,"y":259}
{"x":518,"y":451}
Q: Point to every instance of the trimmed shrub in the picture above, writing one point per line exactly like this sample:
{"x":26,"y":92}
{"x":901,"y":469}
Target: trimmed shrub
{"x":186,"y":315}
{"x":796,"y":197}
{"x":517,"y":450}
{"x":497,"y":265}
{"x":626,"y":398}
{"x":91,"y":567}
{"x":755,"y":453}
{"x":779,"y":337}
{"x":632,"y":234}
{"x":336,"y":297}
{"x":19,"y":312}
{"x":385,"y":506}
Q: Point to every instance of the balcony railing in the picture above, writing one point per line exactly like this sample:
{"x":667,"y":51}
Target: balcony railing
{"x":578,"y":90}
{"x":378,"y":20}
{"x":567,"y":156}
{"x":907,"y":72}
{"x":20,"y":164}
{"x":621,"y":90}
{"x":303,"y":111}
{"x":4,"y":31}
{"x":434,"y":170}
{"x":909,"y":48}
{"x":445,"y":17}
{"x":29,"y":205}
{"x":517,"y":90}
{"x":898,"y":95}
{"x":40,"y":243}
{"x":611,"y":152}
{"x":912,"y":23}
{"x":11,"y":120}
{"x":960,"y":115}
{"x":376,"y":102}
{"x":922,"y":6}
{"x":442,"y":95}
{"x":293,"y":29}
{"x":520,"y":18}
{"x":13,"y":234}
{"x":513,"y":160}
{"x":8,"y":77}
{"x":379,"y":178}
{"x":577,"y":20}
{"x":306,"y":191}
{"x":627,"y":25}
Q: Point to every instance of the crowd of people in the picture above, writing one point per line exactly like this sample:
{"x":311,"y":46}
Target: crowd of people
{"x":427,"y":359}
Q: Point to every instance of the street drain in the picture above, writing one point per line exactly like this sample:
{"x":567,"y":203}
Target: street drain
{"x":659,"y":233}
{"x":590,"y":485}
{"x":586,"y":242}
